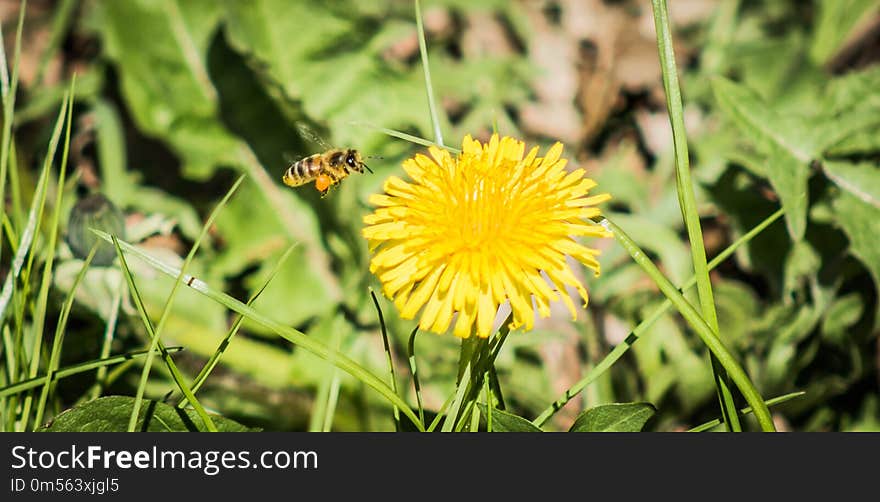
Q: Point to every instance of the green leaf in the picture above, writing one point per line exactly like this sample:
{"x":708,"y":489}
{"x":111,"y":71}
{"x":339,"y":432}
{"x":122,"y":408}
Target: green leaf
{"x":843,"y":313}
{"x":782,"y":138}
{"x":111,"y":414}
{"x":860,"y":222}
{"x":615,"y":417}
{"x":503,"y":421}
{"x":166,"y":85}
{"x":761,"y":122}
{"x":836,"y":19}
{"x":850,"y":107}
{"x":860,"y":180}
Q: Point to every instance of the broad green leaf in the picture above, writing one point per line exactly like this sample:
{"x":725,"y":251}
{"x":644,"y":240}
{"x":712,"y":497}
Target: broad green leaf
{"x":860,"y":180}
{"x":859,"y":143}
{"x":782,"y":138}
{"x":166,"y":85}
{"x":121,"y":186}
{"x":111,"y":414}
{"x":789,"y":176}
{"x":860,"y":222}
{"x":503,"y":421}
{"x":756,"y":119}
{"x":336,"y":65}
{"x":836,"y":19}
{"x":850,"y":108}
{"x":615,"y":417}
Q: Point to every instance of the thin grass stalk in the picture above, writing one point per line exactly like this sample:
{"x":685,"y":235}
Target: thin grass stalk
{"x":429,"y":87}
{"x":46,"y":279}
{"x":388,"y":356}
{"x":109,"y":332}
{"x":322,"y":413}
{"x":212,"y":361}
{"x":155,"y":343}
{"x":748,"y":409}
{"x":643,"y":326}
{"x":737,"y":374}
{"x":31,"y":383}
{"x":414,"y":370}
{"x":166,"y":311}
{"x":441,"y":413}
{"x":475,"y":421}
{"x":687,"y":202}
{"x":404,"y":136}
{"x":489,"y":406}
{"x":298,"y":338}
{"x":455,"y":407}
{"x":24,"y":247}
{"x":332,"y":400}
{"x":58,"y":339}
{"x":8,"y":87}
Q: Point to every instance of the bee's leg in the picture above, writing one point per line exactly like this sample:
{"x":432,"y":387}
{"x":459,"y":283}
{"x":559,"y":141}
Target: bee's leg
{"x":334,"y":183}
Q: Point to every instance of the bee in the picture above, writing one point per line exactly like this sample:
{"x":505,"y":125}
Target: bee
{"x":325,"y":169}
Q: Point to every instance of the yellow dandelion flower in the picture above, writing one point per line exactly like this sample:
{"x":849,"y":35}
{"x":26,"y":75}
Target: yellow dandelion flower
{"x":472,"y":232}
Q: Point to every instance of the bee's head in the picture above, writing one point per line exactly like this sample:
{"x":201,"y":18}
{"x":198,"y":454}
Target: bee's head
{"x":353,"y":160}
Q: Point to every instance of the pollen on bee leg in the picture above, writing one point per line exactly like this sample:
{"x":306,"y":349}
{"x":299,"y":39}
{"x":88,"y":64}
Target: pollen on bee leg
{"x":322,"y":183}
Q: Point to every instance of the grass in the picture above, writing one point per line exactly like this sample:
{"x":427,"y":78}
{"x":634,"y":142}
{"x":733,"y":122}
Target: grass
{"x":29,"y":386}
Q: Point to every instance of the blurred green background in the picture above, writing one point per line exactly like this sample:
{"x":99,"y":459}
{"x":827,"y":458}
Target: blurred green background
{"x":176,"y":98}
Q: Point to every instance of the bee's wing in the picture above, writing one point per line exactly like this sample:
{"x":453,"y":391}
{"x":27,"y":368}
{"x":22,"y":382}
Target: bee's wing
{"x":290,"y":158}
{"x":309,"y":134}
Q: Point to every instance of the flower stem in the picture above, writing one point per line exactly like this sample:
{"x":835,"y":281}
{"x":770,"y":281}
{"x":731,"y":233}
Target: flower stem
{"x":687,"y":202}
{"x":704,"y":331}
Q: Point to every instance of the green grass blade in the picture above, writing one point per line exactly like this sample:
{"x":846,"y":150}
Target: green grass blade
{"x":414,"y":370}
{"x":332,"y":399}
{"x":8,"y":88}
{"x":156,"y":334}
{"x":21,"y":253}
{"x":709,"y":338}
{"x":31,"y":383}
{"x":58,"y":339}
{"x":687,"y":200}
{"x":109,"y":332}
{"x":748,"y":409}
{"x":455,"y":407}
{"x":475,"y":418}
{"x":429,"y":87}
{"x":328,"y":391}
{"x":388,"y":356}
{"x":404,"y":136}
{"x":46,"y":280}
{"x":440,"y":413}
{"x":489,"y":407}
{"x":212,"y":362}
{"x":621,"y":348}
{"x":34,"y":216}
{"x":166,"y":310}
{"x":155,"y":343}
{"x":294,"y":336}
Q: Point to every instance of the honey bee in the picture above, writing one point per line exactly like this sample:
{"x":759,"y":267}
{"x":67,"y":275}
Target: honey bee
{"x":325,"y":169}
